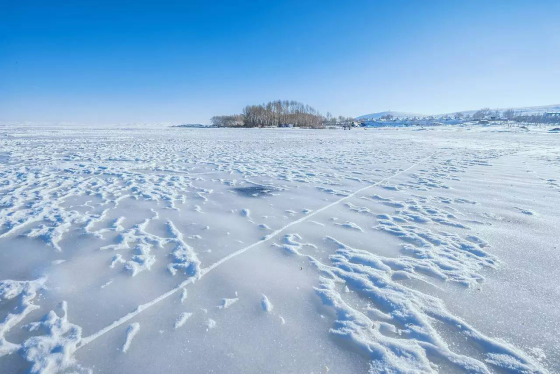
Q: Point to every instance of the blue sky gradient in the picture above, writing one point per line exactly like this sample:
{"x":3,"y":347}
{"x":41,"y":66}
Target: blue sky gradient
{"x":140,"y":61}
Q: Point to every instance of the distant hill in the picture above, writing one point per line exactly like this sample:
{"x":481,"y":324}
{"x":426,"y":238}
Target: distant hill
{"x":191,"y":125}
{"x":528,"y":110}
{"x":394,"y":114}
{"x":519,"y":110}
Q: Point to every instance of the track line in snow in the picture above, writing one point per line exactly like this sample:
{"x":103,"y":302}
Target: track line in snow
{"x":88,"y":339}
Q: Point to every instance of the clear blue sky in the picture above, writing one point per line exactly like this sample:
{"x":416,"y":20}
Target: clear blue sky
{"x":139,"y":61}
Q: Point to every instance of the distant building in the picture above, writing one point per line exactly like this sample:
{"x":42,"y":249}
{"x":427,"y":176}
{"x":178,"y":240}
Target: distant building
{"x":552,"y":115}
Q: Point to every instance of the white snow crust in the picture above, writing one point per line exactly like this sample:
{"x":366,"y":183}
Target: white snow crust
{"x":373,"y":251}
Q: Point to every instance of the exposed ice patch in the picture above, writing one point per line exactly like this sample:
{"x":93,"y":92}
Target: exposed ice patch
{"x":254,"y":191}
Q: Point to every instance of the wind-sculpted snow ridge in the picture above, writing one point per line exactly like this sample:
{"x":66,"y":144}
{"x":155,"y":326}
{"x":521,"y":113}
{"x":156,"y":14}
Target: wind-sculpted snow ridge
{"x":438,"y":176}
{"x":182,"y":319}
{"x":161,"y":229}
{"x":410,"y":315}
{"x":266,"y":304}
{"x":131,"y":332}
{"x":397,"y":328}
{"x":226,"y":303}
{"x":442,"y":254}
{"x":445,"y":250}
{"x":24,"y":292}
{"x":184,"y":255}
{"x":23,"y":208}
{"x":53,"y":352}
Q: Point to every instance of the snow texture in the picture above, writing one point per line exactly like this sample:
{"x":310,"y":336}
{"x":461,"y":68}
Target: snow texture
{"x":383,"y":251}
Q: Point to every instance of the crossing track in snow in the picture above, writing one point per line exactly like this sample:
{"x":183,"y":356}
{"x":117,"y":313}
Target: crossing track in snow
{"x":89,"y":339}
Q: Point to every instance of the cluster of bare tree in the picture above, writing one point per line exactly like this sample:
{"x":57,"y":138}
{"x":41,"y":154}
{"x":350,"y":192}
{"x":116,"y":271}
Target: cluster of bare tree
{"x":277,"y":113}
{"x":509,"y":114}
{"x":486,"y":113}
{"x":282,"y":112}
{"x":236,"y":120}
{"x":537,"y":118}
{"x":333,"y":120}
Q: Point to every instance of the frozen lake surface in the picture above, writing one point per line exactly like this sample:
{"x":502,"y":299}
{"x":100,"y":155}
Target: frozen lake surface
{"x":126,"y":250}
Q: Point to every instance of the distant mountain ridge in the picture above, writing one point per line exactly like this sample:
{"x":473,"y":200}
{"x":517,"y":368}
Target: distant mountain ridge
{"x":519,"y":110}
{"x":390,"y":112}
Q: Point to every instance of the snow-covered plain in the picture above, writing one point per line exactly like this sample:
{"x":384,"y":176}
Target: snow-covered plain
{"x":279,"y":251}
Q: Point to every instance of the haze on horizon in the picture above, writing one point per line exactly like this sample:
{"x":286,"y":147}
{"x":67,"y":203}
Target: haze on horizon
{"x":99,"y":62}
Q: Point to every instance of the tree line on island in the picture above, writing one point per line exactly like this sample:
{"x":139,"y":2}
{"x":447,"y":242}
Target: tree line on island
{"x":279,"y":113}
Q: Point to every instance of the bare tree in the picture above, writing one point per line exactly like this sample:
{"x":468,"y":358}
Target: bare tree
{"x":509,"y":114}
{"x":482,"y":113}
{"x":279,"y":113}
{"x":235,"y":120}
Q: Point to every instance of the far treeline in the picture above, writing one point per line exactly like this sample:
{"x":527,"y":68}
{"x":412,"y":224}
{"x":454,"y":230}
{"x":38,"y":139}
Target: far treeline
{"x":512,"y":115}
{"x":278,"y":114}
